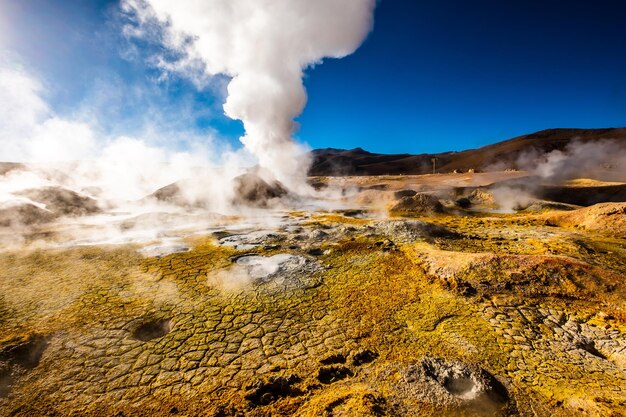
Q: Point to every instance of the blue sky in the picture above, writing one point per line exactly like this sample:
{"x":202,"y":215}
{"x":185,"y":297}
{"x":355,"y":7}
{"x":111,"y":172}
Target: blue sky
{"x":433,"y":76}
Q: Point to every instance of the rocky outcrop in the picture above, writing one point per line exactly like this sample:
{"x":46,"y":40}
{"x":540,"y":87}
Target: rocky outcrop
{"x":607,"y":218}
{"x":418,"y":205}
{"x":252,"y":190}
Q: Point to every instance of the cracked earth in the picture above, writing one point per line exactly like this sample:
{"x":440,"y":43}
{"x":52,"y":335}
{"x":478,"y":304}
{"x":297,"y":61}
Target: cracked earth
{"x":325,"y":314}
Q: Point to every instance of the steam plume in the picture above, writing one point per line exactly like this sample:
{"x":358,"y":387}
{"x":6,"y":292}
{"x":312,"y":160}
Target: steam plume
{"x":602,"y":159}
{"x":264,"y":45}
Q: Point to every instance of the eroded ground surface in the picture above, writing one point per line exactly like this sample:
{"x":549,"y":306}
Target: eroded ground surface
{"x":325,"y":315}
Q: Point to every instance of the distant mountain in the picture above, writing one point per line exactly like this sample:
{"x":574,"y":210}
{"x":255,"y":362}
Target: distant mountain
{"x":501,"y":155}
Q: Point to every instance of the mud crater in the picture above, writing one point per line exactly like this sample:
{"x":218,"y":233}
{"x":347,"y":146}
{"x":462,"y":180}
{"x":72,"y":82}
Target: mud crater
{"x":465,"y":382}
{"x":270,"y":390}
{"x":152,"y":329}
{"x":364,"y":356}
{"x":18,"y":357}
{"x":335,"y":358}
{"x":334,"y":373}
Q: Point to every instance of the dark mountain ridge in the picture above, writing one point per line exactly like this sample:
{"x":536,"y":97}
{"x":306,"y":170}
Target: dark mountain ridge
{"x":498,"y":156}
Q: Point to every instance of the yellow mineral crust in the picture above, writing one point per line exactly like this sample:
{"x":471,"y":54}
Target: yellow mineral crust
{"x":501,"y":315}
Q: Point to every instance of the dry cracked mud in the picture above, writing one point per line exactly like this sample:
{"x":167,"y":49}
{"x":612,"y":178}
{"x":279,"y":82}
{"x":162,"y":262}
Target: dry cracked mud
{"x":327,"y":315}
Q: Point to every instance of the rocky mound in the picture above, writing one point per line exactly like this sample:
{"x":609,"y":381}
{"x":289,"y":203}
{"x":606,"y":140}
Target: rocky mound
{"x":412,"y":230}
{"x":24,"y":214}
{"x":533,"y":276}
{"x":419,"y":204}
{"x":608,"y":218}
{"x":482,"y":196}
{"x":43,"y":205}
{"x":541,"y":205}
{"x":6,"y":167}
{"x":252,"y":190}
{"x":169,"y":194}
{"x":62,"y":202}
{"x":180,"y":193}
{"x":249,"y":190}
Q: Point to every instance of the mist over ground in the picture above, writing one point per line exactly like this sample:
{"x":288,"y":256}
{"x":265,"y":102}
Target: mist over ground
{"x":153,"y":263}
{"x":265,"y":91}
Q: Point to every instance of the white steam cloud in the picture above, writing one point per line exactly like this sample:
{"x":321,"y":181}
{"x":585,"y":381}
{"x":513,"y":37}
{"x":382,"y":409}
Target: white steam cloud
{"x":73,"y":161}
{"x":88,"y":186}
{"x":74,"y":153}
{"x":600,"y":159}
{"x":603,"y":159}
{"x":265,"y":46}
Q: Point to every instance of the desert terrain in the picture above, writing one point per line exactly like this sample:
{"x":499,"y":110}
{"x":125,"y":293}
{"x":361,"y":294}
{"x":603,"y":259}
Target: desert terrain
{"x":394,"y":295}
{"x":312,"y":208}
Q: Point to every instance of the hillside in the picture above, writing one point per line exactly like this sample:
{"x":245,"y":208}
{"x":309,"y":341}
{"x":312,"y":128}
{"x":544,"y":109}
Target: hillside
{"x":501,"y":155}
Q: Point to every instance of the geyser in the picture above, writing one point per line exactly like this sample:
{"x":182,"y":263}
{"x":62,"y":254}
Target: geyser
{"x":264,"y":46}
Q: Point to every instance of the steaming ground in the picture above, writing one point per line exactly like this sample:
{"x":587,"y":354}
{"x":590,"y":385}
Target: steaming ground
{"x":390,"y":295}
{"x":145,"y":280}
